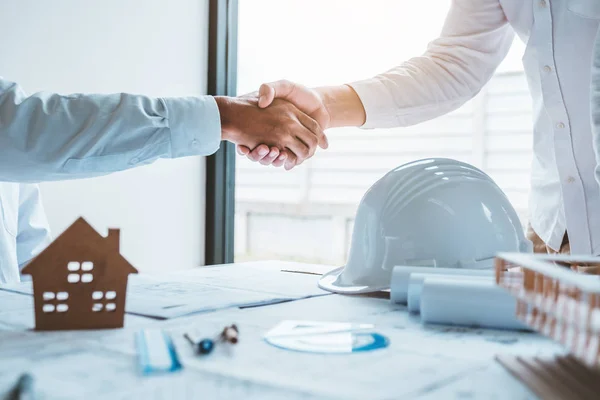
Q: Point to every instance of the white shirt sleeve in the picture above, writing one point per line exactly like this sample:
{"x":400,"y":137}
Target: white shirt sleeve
{"x":47,"y":136}
{"x":33,"y":233}
{"x":474,"y":40}
{"x":595,"y":103}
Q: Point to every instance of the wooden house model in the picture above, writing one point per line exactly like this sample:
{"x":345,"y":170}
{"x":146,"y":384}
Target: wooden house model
{"x":80,"y":280}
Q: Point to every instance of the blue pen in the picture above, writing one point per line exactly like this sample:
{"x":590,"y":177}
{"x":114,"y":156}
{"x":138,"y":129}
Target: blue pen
{"x":23,"y":390}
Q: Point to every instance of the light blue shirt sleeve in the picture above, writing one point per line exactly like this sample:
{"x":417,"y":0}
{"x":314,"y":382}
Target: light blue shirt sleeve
{"x":47,"y":136}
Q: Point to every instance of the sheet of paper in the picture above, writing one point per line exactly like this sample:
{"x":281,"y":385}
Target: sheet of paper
{"x":152,"y":297}
{"x":283,"y":278}
{"x":98,"y":374}
{"x":386,"y":373}
{"x":491,"y":382}
{"x":210,"y":288}
{"x":21,"y":287}
{"x":419,"y":357}
{"x":432,"y":350}
{"x":405,"y":331}
{"x":419,"y":360}
{"x":205,"y":289}
{"x":25,"y":319}
{"x":16,"y":310}
{"x":264,"y":277}
{"x":10,"y":301}
{"x":103,"y":364}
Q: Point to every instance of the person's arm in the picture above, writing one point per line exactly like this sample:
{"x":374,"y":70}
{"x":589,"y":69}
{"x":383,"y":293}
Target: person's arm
{"x":474,"y":40}
{"x":47,"y":136}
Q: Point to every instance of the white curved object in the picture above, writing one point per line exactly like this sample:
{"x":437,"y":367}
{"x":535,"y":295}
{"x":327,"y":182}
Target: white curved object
{"x":435,"y":212}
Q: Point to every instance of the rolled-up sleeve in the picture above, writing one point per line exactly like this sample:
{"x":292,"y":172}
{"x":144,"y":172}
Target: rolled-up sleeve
{"x":47,"y":136}
{"x":474,"y":40}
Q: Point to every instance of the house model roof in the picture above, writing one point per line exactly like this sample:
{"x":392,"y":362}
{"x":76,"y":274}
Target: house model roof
{"x":80,"y":238}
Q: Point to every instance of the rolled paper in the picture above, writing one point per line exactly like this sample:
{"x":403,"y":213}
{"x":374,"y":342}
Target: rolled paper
{"x":401,"y":275}
{"x":415,"y":286}
{"x":468,"y":303}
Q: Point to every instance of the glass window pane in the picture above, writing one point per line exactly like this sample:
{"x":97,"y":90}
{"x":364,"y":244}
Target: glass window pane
{"x":307,"y":214}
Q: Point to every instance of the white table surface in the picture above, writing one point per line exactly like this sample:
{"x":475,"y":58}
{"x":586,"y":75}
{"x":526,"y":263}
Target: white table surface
{"x":422,"y":362}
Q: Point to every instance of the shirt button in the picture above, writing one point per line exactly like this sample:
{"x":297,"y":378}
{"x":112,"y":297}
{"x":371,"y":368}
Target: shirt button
{"x":570,"y":179}
{"x":560,"y":125}
{"x":134,"y":160}
{"x":548,"y":68}
{"x":194,"y":142}
{"x":543,"y":3}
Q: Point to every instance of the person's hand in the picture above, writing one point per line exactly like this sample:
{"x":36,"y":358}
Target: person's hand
{"x":282,"y":126}
{"x":268,"y":155}
{"x":306,"y":99}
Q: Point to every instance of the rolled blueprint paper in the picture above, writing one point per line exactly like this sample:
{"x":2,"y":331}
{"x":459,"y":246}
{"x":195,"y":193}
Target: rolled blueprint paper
{"x":401,"y":274}
{"x":415,"y":286}
{"x":469,"y":303}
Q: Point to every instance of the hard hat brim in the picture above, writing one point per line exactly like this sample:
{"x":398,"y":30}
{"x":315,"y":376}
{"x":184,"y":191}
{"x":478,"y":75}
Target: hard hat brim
{"x":332,"y":283}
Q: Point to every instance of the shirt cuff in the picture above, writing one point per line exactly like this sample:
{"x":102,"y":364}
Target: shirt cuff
{"x":195,"y":125}
{"x":376,"y":100}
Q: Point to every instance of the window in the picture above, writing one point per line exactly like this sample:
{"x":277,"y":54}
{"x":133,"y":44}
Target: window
{"x":104,"y":301}
{"x":55,"y":302}
{"x":307,"y":214}
{"x":80,"y":272}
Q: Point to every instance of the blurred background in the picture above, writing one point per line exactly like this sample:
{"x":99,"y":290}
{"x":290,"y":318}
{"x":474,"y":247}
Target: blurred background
{"x":307,"y":214}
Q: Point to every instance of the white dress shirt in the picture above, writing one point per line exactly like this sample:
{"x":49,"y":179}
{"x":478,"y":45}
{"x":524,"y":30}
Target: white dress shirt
{"x":46,"y":136}
{"x":476,"y":36}
{"x":595,"y":103}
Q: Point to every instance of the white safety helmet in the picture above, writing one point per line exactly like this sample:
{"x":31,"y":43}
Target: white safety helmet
{"x":434,"y":212}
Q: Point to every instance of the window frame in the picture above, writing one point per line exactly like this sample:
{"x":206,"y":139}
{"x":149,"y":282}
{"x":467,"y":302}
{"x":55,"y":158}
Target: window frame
{"x":220,"y":167}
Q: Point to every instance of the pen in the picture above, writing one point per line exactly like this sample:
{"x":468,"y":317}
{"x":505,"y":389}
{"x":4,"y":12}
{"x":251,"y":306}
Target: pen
{"x":23,"y":389}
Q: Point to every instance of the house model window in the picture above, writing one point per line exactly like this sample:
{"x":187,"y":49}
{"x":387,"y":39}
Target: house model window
{"x":104,"y":301}
{"x":80,"y":272}
{"x":55,"y":302}
{"x":80,"y":280}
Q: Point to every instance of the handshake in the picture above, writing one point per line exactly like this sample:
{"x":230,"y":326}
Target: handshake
{"x":281,"y":125}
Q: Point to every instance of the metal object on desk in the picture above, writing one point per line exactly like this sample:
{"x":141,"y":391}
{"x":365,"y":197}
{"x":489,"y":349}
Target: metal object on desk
{"x":229,"y":334}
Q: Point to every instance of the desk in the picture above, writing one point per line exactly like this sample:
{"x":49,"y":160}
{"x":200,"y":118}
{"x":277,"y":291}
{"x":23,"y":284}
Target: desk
{"x":422,"y":362}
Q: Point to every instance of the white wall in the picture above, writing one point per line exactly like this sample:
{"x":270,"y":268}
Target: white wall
{"x":151,"y":47}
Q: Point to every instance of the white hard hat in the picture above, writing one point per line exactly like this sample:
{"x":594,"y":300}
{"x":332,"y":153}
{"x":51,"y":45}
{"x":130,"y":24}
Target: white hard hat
{"x":435,"y":212}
